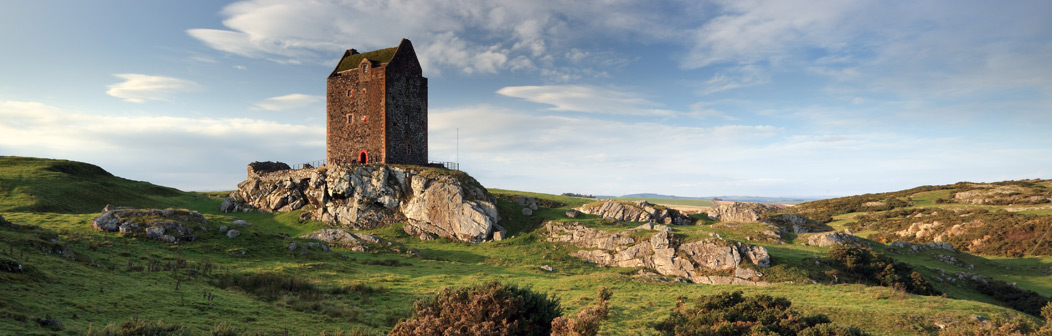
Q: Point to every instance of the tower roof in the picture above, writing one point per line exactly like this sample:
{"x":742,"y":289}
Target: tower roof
{"x":351,"y":59}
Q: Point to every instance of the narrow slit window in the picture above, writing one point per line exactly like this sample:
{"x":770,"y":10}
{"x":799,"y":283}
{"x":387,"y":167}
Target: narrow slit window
{"x":350,"y":119}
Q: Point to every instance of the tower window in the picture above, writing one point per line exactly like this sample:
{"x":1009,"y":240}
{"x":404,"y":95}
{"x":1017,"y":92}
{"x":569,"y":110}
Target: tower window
{"x":365,"y":68}
{"x":350,"y":93}
{"x":350,"y":119}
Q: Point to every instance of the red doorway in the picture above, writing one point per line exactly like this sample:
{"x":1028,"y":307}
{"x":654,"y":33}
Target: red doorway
{"x":363,"y":157}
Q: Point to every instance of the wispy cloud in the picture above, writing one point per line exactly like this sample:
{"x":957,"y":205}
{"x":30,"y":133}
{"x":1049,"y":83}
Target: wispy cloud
{"x":471,"y":37}
{"x":559,"y":153}
{"x":138,"y":88}
{"x":289,"y":101}
{"x":582,"y":98}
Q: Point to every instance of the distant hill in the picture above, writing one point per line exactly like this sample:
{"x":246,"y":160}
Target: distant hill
{"x":47,"y":185}
{"x":752,"y":199}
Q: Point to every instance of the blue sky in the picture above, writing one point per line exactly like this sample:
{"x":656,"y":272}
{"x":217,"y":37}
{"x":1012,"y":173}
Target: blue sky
{"x":691,"y":98}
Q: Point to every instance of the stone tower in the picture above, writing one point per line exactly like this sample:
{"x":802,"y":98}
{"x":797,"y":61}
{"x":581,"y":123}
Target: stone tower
{"x":377,"y":108}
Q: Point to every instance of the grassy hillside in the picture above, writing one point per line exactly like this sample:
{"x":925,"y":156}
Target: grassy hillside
{"x":60,"y":186}
{"x":1012,"y":218}
{"x":254,"y":284}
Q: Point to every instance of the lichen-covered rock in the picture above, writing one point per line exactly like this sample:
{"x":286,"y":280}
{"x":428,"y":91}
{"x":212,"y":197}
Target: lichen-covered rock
{"x":831,"y":238}
{"x":450,"y":205}
{"x":168,"y":225}
{"x":741,"y":212}
{"x":355,"y":241}
{"x":711,"y":261}
{"x":233,"y":234}
{"x":640,"y":211}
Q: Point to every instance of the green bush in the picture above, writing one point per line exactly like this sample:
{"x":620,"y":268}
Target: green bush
{"x":1023,"y":300}
{"x":733,"y":314}
{"x":862,"y":265}
{"x":487,"y":309}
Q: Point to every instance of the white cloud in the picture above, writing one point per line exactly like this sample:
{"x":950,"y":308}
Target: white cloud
{"x":289,"y":101}
{"x":766,"y":30}
{"x":472,"y":36}
{"x":138,"y":88}
{"x":188,"y":153}
{"x":733,"y":78}
{"x":581,"y":98}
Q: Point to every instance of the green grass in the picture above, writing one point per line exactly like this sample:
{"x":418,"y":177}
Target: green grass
{"x":44,"y":185}
{"x":110,"y":279}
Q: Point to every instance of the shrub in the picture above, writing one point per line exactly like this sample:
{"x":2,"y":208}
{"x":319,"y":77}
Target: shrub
{"x":491,"y":308}
{"x":587,"y":321}
{"x":733,"y":314}
{"x":1023,"y":300}
{"x":865,"y":266}
{"x":1014,"y":326}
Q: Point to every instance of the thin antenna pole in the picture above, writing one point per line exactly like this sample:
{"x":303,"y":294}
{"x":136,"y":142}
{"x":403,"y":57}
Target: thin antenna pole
{"x":457,"y":158}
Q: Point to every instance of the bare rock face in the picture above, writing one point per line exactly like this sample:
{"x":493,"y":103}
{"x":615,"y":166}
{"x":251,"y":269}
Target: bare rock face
{"x":832,"y":238}
{"x":450,"y":205}
{"x":640,"y":211}
{"x":741,"y":212}
{"x":168,"y":225}
{"x":711,"y":261}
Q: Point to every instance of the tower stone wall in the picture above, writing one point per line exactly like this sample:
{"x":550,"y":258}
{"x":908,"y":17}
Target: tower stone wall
{"x":377,"y":108}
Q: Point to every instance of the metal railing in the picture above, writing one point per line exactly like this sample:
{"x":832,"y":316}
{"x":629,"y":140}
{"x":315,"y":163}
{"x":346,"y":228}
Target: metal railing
{"x":447,"y":165}
{"x":309,"y":164}
{"x":320,"y":163}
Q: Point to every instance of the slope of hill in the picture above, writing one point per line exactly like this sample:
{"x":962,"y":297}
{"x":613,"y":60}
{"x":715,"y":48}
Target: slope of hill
{"x":61,"y":186}
{"x":1012,"y":218}
{"x":270,"y":280}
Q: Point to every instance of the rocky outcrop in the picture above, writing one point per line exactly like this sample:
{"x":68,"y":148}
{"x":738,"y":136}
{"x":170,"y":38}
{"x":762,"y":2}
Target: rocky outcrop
{"x":354,"y":241}
{"x":741,"y":212}
{"x":914,"y":247}
{"x":640,"y":211}
{"x":832,"y":238}
{"x":794,"y":223}
{"x":168,"y":225}
{"x":710,"y":261}
{"x":987,"y":193}
{"x":450,"y":205}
